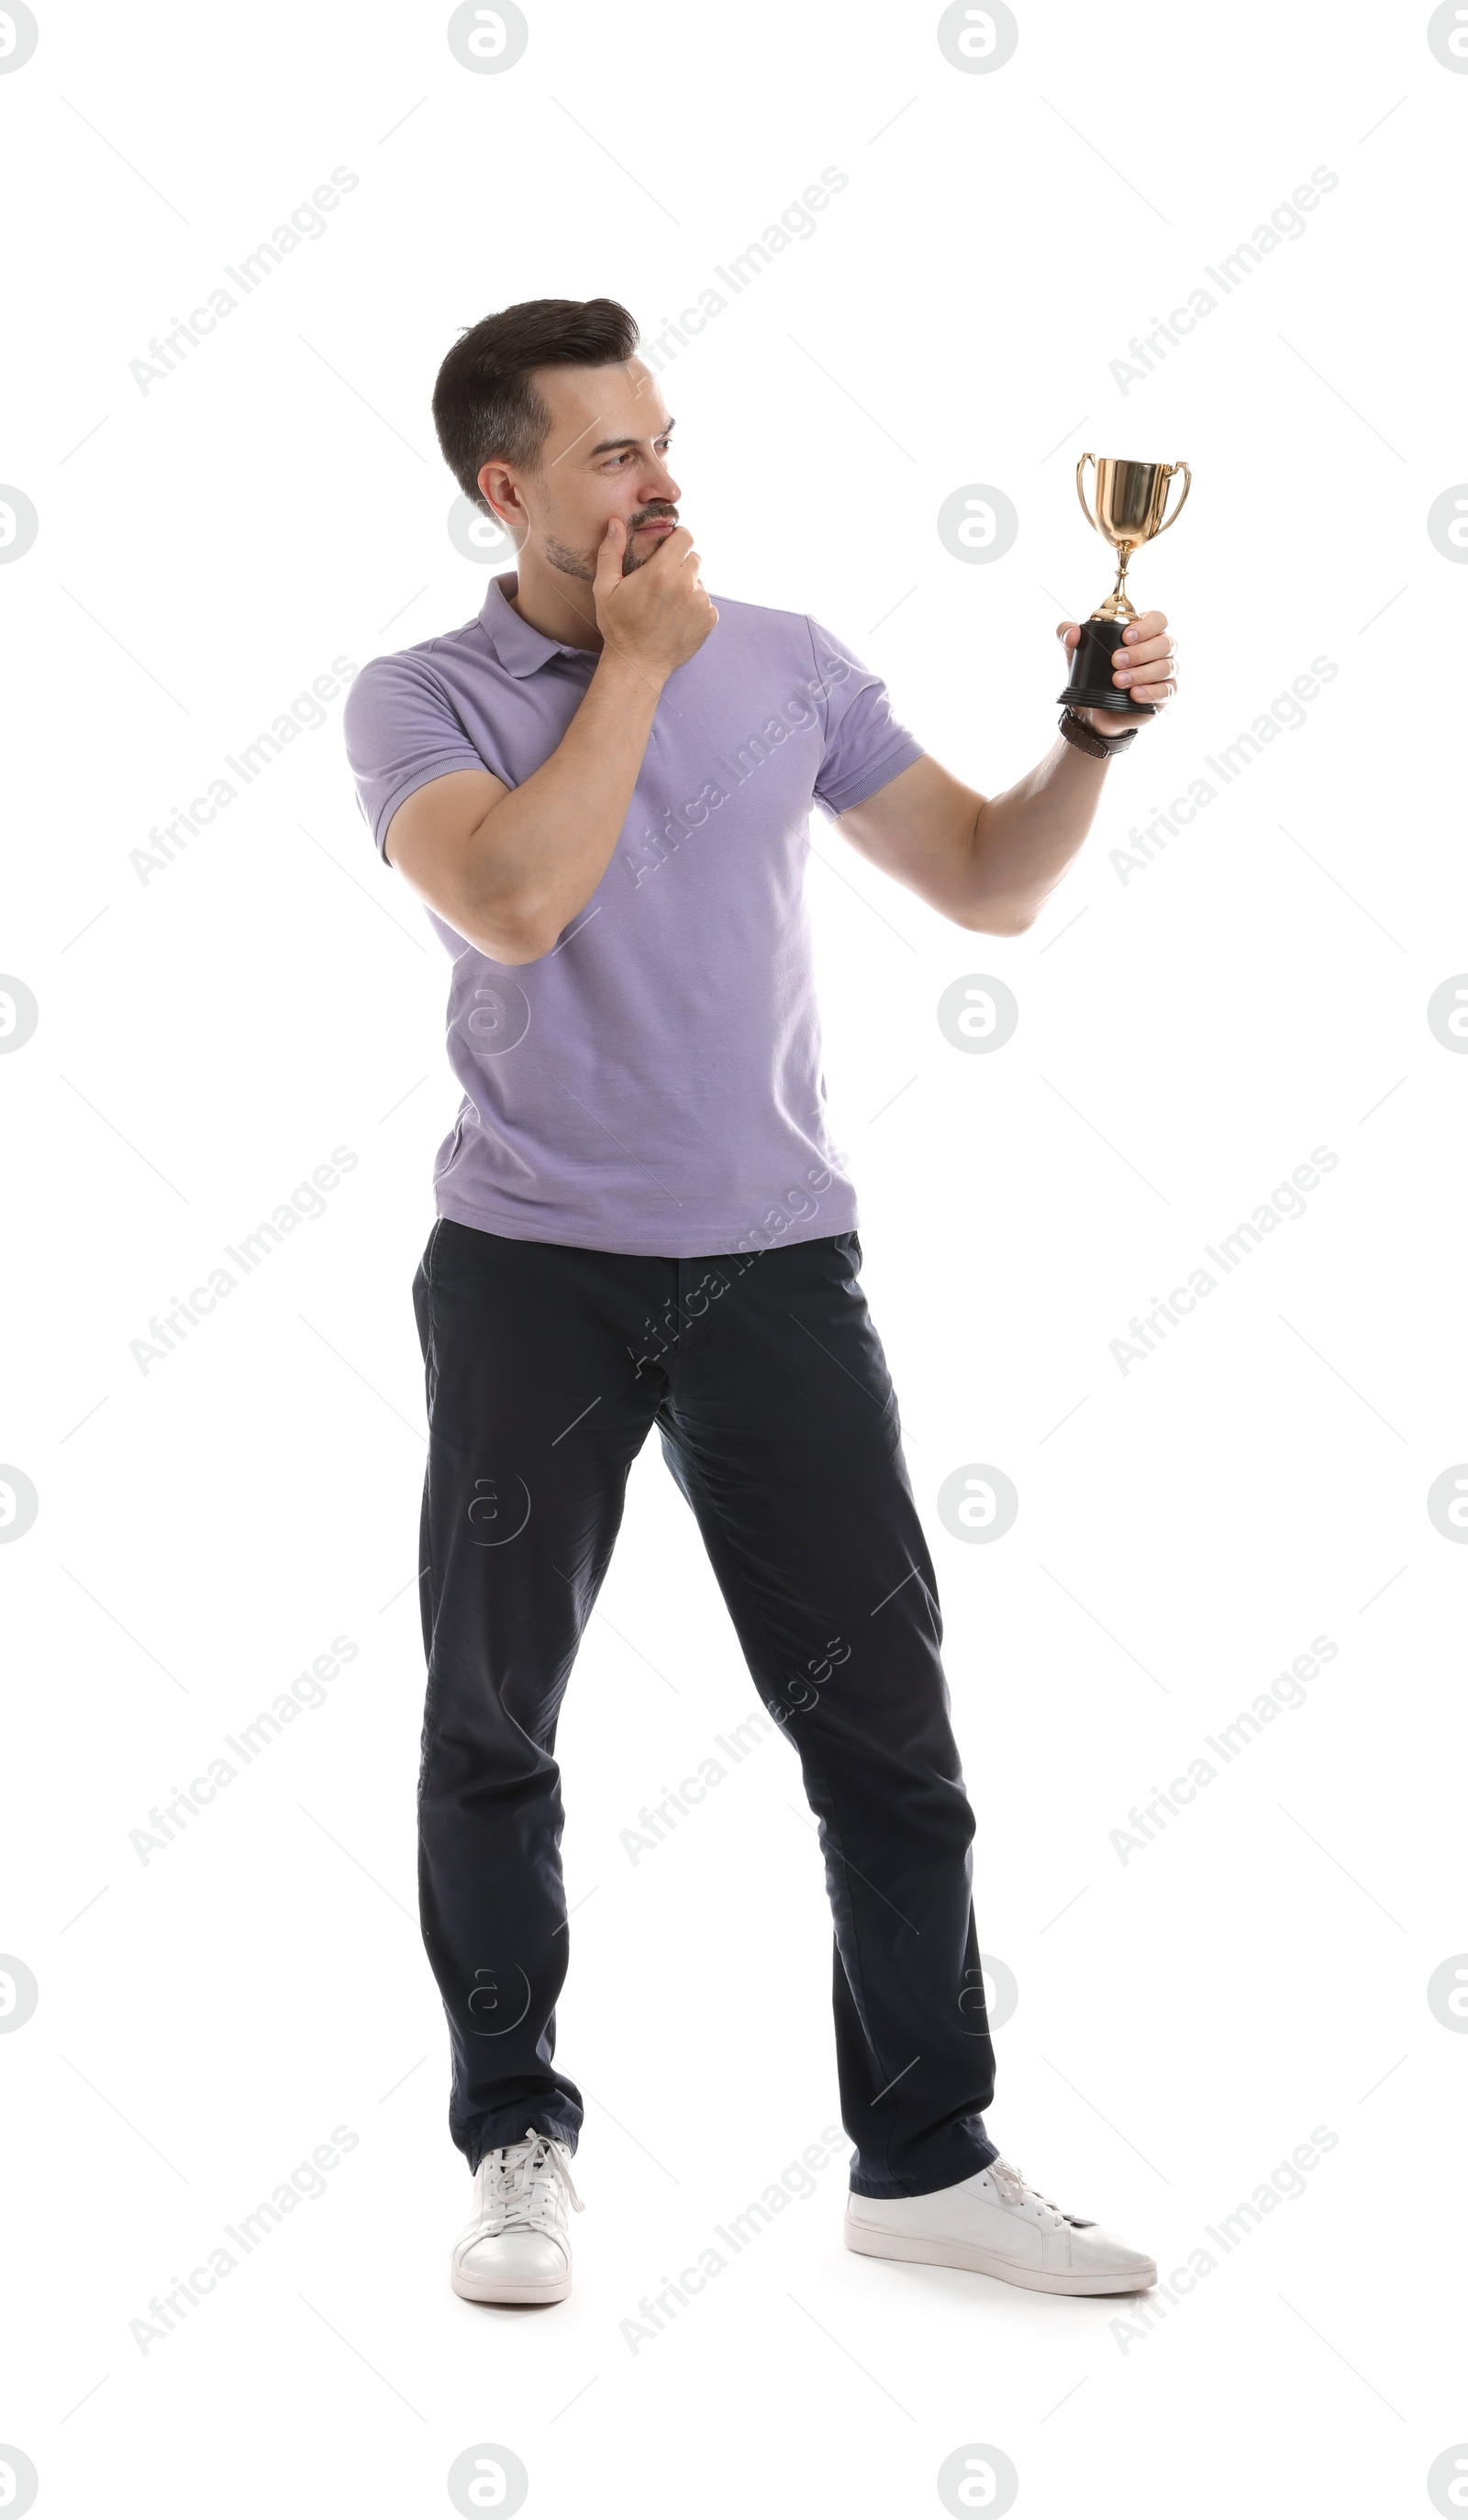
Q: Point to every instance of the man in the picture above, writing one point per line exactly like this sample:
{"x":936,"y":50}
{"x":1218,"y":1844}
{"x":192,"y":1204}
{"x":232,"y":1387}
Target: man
{"x":601,"y":789}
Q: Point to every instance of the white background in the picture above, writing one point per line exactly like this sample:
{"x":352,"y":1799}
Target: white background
{"x":1186,"y":1037}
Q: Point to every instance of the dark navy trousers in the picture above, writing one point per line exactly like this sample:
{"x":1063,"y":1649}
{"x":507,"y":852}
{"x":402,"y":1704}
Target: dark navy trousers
{"x":546,"y":1365}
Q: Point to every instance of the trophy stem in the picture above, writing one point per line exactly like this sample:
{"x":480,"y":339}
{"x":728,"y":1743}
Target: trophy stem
{"x":1090,"y":685}
{"x":1118,"y":606}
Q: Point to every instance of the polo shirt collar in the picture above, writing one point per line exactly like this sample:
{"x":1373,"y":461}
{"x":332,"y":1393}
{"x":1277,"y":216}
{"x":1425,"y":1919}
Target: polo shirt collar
{"x":521,"y":648}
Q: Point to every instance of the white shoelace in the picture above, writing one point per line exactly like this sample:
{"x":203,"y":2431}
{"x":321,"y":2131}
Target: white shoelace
{"x":521,"y":2187}
{"x":1015,"y":2189}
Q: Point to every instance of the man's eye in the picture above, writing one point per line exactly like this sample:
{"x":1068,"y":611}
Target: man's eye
{"x":615,"y":461}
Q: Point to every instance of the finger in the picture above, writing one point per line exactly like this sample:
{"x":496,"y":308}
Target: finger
{"x":1146,"y":626}
{"x":1146,"y":675}
{"x":1062,"y":630}
{"x":609,"y":556}
{"x":680,"y":543}
{"x":1144,"y":653}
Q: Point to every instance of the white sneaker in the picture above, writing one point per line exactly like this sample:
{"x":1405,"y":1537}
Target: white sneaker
{"x":517,"y":2246}
{"x":997,"y":2224}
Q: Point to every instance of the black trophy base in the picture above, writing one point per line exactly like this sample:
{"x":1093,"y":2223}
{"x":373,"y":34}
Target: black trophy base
{"x":1090,"y":685}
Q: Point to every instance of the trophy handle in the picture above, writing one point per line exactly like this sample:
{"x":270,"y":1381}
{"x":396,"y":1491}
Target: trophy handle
{"x":1187,"y":483}
{"x":1081,"y":493}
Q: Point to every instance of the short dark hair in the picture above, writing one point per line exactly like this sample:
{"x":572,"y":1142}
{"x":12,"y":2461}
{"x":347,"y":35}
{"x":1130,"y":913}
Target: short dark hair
{"x":483,"y":401}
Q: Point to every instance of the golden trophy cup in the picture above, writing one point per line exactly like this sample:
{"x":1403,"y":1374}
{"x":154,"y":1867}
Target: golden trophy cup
{"x":1132,"y":502}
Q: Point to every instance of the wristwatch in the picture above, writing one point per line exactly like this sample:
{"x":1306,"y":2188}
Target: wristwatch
{"x":1085,"y":738}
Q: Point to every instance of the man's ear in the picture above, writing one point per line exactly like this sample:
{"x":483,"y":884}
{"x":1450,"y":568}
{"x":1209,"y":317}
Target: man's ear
{"x":495,"y":481}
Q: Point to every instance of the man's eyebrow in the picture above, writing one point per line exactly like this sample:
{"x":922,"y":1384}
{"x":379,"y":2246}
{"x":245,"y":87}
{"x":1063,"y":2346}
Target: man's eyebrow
{"x":611,"y":445}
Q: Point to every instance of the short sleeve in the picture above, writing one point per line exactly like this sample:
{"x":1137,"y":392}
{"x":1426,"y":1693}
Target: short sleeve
{"x":402,"y":730}
{"x":865,"y":745}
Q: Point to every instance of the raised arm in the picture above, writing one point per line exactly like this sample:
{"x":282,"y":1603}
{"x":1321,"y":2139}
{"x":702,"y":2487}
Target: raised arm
{"x":990,"y":862}
{"x":508,"y":868}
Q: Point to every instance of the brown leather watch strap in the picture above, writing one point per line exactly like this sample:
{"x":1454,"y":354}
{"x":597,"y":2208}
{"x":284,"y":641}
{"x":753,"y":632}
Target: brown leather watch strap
{"x":1085,"y":738}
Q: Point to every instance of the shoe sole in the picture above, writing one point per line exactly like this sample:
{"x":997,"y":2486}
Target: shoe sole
{"x":872,"y":2244}
{"x":523,"y":2295}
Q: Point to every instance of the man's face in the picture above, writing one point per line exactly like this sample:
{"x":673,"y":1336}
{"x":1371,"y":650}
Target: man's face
{"x":605,"y":456}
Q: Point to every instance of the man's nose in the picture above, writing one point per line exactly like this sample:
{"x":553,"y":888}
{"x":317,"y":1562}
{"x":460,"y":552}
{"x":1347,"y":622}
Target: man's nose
{"x":658,"y":489}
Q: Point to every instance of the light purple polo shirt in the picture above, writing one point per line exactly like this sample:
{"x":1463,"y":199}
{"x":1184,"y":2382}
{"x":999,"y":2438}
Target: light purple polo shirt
{"x":653,"y":1084}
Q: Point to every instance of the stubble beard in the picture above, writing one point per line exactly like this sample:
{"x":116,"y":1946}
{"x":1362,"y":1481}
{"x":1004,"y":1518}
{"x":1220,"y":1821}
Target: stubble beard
{"x":582,"y":565}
